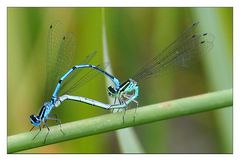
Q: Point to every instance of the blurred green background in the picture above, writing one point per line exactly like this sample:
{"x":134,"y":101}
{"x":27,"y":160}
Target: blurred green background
{"x":133,"y":36}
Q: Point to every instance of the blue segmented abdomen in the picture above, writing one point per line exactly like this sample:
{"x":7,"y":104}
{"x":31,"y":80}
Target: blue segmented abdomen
{"x":114,"y":80}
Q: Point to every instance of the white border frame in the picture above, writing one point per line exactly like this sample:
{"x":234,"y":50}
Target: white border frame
{"x":120,"y":3}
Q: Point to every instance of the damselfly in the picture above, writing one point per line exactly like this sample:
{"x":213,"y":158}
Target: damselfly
{"x":180,"y":53}
{"x":60,"y":72}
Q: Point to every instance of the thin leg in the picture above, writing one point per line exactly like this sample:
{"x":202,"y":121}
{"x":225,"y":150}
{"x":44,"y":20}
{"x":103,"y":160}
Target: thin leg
{"x":58,"y":122}
{"x":119,"y":99}
{"x":44,"y":124}
{"x":32,"y":128}
{"x":124,"y":112}
{"x":134,"y":118}
{"x":129,"y":97}
{"x":115,"y":99}
{"x":120,"y":102}
{"x":53,"y":114}
{"x":47,"y":132}
{"x":37,"y":133}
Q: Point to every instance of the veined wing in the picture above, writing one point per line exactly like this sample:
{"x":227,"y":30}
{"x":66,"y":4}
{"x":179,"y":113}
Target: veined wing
{"x":181,"y":53}
{"x":61,"y":47}
{"x":81,"y":79}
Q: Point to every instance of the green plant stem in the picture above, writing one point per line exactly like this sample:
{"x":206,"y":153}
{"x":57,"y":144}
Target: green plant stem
{"x":113,"y":121}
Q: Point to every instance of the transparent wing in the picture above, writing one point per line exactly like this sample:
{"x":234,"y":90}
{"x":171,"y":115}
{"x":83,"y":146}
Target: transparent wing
{"x":65,"y":54}
{"x":182,"y":52}
{"x":81,"y":79}
{"x":61,"y":47}
{"x":72,"y":76}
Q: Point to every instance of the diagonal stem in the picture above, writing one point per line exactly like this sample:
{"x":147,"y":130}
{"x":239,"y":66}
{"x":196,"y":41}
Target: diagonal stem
{"x":110,"y":122}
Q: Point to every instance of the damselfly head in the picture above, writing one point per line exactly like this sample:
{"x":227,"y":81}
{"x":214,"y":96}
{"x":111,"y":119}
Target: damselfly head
{"x":35,"y":121}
